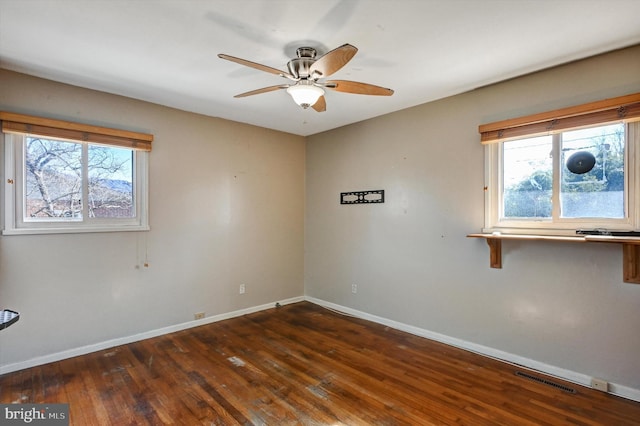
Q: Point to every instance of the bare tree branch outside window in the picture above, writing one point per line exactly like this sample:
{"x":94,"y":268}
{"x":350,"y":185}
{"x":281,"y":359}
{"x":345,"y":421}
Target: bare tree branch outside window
{"x":54,"y":180}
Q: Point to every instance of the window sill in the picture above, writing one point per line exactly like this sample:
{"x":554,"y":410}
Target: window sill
{"x":630,"y":248}
{"x":70,"y":230}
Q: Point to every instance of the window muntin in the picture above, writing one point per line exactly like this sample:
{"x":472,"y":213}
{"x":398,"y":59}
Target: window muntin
{"x":531,"y":188}
{"x":52,"y":178}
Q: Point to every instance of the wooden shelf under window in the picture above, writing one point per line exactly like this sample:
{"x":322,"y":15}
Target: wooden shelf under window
{"x":630,"y":249}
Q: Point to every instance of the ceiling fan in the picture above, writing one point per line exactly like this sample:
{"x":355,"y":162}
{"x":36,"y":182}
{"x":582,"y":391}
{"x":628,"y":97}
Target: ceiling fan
{"x":306,"y":72}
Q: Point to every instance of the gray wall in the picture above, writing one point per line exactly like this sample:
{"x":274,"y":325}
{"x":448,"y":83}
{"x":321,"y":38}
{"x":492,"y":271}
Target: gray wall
{"x":560,"y":304}
{"x":226,"y":208}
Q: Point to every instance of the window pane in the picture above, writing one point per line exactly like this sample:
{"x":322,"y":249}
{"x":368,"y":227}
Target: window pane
{"x":53,"y":186}
{"x":527,"y":178}
{"x":595,"y":187}
{"x":110,"y":182}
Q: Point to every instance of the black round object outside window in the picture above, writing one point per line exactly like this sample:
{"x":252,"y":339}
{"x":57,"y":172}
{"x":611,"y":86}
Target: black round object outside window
{"x":581,"y":162}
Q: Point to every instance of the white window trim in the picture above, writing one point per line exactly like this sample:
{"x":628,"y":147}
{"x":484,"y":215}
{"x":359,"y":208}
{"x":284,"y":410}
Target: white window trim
{"x":493,"y":191}
{"x":14,"y":178}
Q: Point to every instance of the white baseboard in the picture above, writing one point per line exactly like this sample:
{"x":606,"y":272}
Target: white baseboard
{"x":571,"y":376}
{"x":83,"y":350}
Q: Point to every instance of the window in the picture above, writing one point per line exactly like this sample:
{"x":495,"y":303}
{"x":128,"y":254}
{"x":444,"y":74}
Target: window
{"x":564,"y":171}
{"x":71,"y":184}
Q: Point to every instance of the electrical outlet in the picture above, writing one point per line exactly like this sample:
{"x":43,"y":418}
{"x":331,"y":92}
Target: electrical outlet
{"x":198,"y":315}
{"x":242,"y":289}
{"x":599,"y":384}
{"x":354,"y":288}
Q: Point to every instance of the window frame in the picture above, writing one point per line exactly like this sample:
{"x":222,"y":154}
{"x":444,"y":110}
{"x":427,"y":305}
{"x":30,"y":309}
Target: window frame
{"x":557,"y":225}
{"x":16,"y":128}
{"x":625,"y":109}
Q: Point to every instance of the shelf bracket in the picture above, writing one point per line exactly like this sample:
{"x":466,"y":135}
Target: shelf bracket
{"x":495,"y":252}
{"x":631,"y":261}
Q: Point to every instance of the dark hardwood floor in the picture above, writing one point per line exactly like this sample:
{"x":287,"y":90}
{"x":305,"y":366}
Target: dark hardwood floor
{"x":302,"y":364}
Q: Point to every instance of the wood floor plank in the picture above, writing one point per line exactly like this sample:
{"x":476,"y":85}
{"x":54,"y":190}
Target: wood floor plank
{"x":302,"y":364}
{"x":376,"y":380}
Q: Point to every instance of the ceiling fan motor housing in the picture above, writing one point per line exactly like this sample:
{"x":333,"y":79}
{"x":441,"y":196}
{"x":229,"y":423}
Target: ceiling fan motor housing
{"x":299,"y":67}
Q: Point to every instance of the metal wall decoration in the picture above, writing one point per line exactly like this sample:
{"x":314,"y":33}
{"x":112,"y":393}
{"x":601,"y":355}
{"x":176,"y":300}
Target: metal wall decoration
{"x":362,"y":197}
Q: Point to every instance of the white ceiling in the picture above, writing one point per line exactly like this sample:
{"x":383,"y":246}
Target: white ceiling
{"x":165,"y":51}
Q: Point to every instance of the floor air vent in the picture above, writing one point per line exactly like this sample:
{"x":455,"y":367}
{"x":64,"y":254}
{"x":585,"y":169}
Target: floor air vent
{"x":546,"y":382}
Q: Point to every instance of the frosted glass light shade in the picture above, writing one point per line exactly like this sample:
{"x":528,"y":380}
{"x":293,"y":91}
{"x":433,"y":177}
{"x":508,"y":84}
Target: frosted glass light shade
{"x":305,"y":95}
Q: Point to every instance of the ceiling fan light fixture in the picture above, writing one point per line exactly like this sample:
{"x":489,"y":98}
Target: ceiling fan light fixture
{"x":305,"y":95}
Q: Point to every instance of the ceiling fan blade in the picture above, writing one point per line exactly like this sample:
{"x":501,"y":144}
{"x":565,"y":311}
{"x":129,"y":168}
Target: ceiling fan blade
{"x":256,"y":66}
{"x":320,"y":105}
{"x":332,"y":61}
{"x":263,"y":90}
{"x":357,"y":87}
